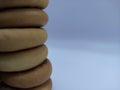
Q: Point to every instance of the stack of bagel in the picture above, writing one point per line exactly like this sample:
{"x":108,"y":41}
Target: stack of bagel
{"x":23,"y":55}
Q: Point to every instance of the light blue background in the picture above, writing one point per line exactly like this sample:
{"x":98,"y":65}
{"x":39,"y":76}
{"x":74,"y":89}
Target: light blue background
{"x":84,"y":44}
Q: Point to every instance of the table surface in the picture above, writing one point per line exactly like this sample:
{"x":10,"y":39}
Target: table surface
{"x":85,"y":65}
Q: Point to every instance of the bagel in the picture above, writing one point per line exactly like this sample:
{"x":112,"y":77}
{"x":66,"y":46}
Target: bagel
{"x":20,"y":39}
{"x":46,"y":86}
{"x":24,"y":3}
{"x":28,"y":17}
{"x":22,"y":60}
{"x":31,"y":78}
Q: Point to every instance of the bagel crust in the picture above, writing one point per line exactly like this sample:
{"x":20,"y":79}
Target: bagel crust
{"x":24,"y":3}
{"x":19,"y":39}
{"x":27,"y":17}
{"x":22,"y":60}
{"x":45,"y":86}
{"x":31,"y":78}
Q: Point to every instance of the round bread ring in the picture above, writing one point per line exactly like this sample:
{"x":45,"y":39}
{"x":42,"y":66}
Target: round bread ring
{"x":29,"y":17}
{"x":24,"y":3}
{"x":19,"y":39}
{"x":31,"y":78}
{"x":46,"y":86}
{"x":22,"y":60}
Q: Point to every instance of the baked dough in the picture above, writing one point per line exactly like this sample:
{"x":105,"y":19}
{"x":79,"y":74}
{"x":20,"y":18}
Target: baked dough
{"x":24,"y":3}
{"x":31,"y":78}
{"x":30,"y":17}
{"x":46,"y":86}
{"x":22,"y":60}
{"x":20,"y":39}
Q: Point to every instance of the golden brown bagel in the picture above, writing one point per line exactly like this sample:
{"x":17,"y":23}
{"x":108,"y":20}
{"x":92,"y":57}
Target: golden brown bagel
{"x":29,"y":17}
{"x":31,"y":78}
{"x":22,"y":60}
{"x":24,"y":3}
{"x":45,"y":86}
{"x":19,"y":39}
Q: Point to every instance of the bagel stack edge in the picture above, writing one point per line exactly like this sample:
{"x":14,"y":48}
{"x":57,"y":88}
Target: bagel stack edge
{"x":23,"y":54}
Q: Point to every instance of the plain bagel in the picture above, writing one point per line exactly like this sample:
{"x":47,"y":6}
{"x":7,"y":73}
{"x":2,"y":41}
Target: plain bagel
{"x":31,"y":78}
{"x":22,"y":60}
{"x":21,"y":38}
{"x":45,"y":86}
{"x":29,"y":17}
{"x":24,"y":3}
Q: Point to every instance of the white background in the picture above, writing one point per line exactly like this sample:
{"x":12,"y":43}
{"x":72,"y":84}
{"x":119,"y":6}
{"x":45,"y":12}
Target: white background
{"x":84,"y":44}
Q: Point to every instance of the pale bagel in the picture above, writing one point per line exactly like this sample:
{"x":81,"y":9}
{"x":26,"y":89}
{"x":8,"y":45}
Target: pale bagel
{"x":46,"y":86}
{"x":24,"y":3}
{"x":22,"y":60}
{"x":31,"y":78}
{"x":29,"y":17}
{"x":19,"y":39}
